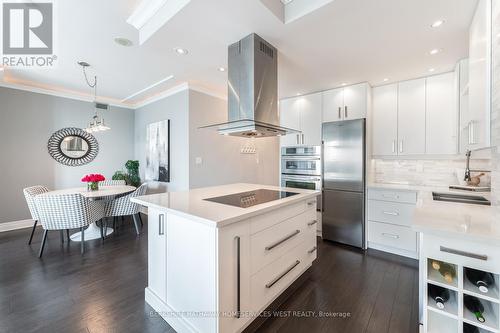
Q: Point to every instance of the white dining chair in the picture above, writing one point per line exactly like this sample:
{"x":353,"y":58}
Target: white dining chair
{"x":67,"y":211}
{"x":123,"y":206}
{"x":29,"y":195}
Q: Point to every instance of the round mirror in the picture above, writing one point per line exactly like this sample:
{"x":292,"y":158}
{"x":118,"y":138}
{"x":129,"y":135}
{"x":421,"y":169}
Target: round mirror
{"x":73,"y":146}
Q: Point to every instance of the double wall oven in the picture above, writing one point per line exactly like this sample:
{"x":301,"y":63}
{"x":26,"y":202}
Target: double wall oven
{"x":301,"y":168}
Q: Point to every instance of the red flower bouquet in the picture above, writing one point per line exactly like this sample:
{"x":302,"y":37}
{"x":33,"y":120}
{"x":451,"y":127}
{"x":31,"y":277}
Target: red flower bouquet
{"x":93,"y":180}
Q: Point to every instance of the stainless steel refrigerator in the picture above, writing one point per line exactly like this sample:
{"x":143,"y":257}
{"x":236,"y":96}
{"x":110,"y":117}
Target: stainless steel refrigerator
{"x":344,"y":164}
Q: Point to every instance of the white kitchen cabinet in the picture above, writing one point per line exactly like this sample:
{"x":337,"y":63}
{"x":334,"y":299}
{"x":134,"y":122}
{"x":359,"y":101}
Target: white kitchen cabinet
{"x":310,"y":119}
{"x":411,"y":117}
{"x":156,"y":252}
{"x":302,"y":113}
{"x":462,"y":73}
{"x":333,"y":105}
{"x":290,"y":118}
{"x":345,"y":103}
{"x":441,"y":126}
{"x":480,"y":77}
{"x":385,"y":120}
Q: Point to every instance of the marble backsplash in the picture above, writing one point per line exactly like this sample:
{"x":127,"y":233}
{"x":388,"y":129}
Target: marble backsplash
{"x":425,"y":172}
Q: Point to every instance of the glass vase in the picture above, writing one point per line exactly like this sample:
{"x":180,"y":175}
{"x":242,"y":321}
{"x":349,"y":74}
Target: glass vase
{"x":92,"y":186}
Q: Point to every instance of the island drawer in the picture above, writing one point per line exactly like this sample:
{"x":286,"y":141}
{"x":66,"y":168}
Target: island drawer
{"x":266,"y":285}
{"x":270,"y":244}
{"x":390,"y":212}
{"x":267,"y":220}
{"x":381,"y":194}
{"x":391,"y":235}
{"x":466,"y":252}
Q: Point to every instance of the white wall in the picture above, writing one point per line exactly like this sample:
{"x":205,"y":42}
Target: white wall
{"x":222,"y":161}
{"x":27,"y":121}
{"x":176,"y":109}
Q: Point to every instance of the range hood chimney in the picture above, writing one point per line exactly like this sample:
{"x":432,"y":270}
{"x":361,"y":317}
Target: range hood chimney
{"x":252,"y":90}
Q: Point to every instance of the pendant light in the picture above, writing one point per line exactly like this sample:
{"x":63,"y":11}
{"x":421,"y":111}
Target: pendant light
{"x":97,"y":123}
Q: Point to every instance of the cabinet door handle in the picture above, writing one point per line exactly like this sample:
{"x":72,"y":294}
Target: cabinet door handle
{"x":303,"y":138}
{"x":312,"y":223}
{"x":393,"y":146}
{"x":279,"y":277}
{"x":238,"y":278}
{"x":297,"y":138}
{"x":270,"y":247}
{"x":161,"y":224}
{"x":391,"y":213}
{"x":390,"y":235}
{"x":312,"y":250}
{"x":340,"y":112}
{"x":401,"y":146}
{"x":463,"y":253}
{"x":345,"y":111}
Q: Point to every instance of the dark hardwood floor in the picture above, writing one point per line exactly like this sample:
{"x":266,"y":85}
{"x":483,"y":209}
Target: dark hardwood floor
{"x":103,"y":291}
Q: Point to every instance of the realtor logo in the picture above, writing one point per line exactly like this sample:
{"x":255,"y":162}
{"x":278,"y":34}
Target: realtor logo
{"x":28,"y":34}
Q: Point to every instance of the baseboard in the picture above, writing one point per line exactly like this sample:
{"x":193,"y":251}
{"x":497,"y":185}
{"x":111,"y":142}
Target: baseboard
{"x":15,"y":225}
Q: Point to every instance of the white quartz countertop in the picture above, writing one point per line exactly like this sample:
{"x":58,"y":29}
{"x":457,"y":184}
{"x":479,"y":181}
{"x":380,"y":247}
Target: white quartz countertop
{"x":467,"y":221}
{"x":191,"y":203}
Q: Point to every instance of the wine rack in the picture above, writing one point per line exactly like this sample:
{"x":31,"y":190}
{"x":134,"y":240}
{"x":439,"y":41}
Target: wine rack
{"x":452,"y":317}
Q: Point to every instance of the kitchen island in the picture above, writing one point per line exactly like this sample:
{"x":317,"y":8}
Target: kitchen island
{"x":219,"y":256}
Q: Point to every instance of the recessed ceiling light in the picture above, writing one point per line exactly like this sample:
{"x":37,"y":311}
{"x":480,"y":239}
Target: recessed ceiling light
{"x":432,"y":70}
{"x":123,"y":41}
{"x":386,"y":79}
{"x":344,"y":84}
{"x":298,"y":94}
{"x":437,"y":23}
{"x":434,"y":51}
{"x":222,"y":69}
{"x":181,"y":51}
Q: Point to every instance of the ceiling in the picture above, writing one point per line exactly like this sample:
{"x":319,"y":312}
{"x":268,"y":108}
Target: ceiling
{"x":346,"y":41}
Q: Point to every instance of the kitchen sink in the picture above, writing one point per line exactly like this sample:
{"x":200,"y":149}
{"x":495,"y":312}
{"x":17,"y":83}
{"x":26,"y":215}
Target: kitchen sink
{"x":461,"y":198}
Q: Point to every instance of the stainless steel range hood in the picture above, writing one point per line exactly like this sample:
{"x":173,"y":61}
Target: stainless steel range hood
{"x":252,"y":90}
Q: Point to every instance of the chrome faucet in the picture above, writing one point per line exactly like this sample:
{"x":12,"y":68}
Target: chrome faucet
{"x":467,"y":177}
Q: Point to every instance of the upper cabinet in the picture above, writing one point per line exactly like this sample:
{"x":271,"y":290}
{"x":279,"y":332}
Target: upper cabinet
{"x":441,"y":114}
{"x":304,"y":114}
{"x":480,"y":41}
{"x":416,"y":117}
{"x":411,"y":117}
{"x":385,"y":120}
{"x":345,"y":103}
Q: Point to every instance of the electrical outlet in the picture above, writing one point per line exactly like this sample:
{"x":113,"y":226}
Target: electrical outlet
{"x":198,"y":161}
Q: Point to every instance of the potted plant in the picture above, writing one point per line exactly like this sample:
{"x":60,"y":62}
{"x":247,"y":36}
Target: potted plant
{"x":131,"y":177}
{"x":93,"y":180}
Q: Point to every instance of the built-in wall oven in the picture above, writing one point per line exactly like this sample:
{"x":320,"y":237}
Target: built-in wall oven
{"x":301,"y":168}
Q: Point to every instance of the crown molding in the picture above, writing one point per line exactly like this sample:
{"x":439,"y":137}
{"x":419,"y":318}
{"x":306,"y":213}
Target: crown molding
{"x":79,"y":97}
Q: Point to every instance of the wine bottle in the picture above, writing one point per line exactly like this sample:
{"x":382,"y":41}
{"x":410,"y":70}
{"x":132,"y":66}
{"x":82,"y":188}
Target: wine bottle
{"x":480,"y":279}
{"x":436,"y":264}
{"x":474,"y":305}
{"x":439,"y":295}
{"x":468,"y":328}
{"x":448,"y":271}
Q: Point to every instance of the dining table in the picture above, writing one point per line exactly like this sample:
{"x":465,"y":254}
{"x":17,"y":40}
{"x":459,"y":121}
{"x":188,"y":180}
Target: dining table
{"x":103,"y":194}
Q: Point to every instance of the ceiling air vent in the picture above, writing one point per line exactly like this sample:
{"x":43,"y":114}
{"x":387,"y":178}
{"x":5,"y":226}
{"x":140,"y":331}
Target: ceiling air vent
{"x":266,"y":49}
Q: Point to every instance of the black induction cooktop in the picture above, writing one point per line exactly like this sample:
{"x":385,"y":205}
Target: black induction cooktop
{"x":251,"y":198}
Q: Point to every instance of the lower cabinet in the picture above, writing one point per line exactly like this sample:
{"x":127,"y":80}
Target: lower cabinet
{"x":390,"y":214}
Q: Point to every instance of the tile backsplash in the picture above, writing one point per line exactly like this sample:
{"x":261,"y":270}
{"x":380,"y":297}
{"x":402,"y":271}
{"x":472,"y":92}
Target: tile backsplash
{"x":425,"y":172}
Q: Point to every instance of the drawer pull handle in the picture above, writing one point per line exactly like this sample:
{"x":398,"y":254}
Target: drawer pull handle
{"x":270,"y":247}
{"x":310,"y":203}
{"x":161,"y":224}
{"x":312,"y":250}
{"x":390,"y":235}
{"x":391,"y":213}
{"x":238,"y":277}
{"x":282,"y":275}
{"x":312,"y":223}
{"x":464,"y":253}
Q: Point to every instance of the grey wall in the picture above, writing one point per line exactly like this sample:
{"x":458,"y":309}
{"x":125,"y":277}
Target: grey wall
{"x":222,"y":161}
{"x":176,"y":109}
{"x":27,"y":121}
